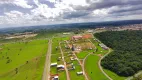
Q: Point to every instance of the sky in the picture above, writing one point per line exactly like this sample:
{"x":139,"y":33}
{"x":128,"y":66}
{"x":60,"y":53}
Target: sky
{"x":46,"y":12}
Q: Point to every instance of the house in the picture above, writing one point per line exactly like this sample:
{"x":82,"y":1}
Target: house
{"x":72,"y":58}
{"x":71,"y":66}
{"x":53,"y":64}
{"x":56,"y":77}
{"x":60,"y":67}
{"x":79,"y":73}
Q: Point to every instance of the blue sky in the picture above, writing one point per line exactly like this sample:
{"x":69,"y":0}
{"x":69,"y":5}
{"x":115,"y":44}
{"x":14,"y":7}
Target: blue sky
{"x":42,"y":12}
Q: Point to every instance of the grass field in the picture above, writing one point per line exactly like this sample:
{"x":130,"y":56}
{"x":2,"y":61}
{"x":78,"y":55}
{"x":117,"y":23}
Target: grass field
{"x":28,"y":57}
{"x":82,"y":54}
{"x":92,"y":69}
{"x":73,"y":75}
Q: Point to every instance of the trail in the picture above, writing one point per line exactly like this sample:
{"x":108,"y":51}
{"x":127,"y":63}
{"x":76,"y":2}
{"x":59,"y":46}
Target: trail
{"x":46,"y":73}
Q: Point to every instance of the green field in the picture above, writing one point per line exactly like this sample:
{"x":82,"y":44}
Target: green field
{"x":92,"y":69}
{"x":82,"y":54}
{"x":73,"y":75}
{"x":27,"y":57}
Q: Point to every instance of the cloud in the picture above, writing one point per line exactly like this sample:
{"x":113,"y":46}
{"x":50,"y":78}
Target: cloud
{"x":62,"y":11}
{"x":20,"y":3}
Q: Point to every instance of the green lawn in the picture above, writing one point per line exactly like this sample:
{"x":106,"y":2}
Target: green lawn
{"x":17,"y":54}
{"x":92,"y":69}
{"x":74,"y":76}
{"x":82,"y":54}
{"x":62,"y":75}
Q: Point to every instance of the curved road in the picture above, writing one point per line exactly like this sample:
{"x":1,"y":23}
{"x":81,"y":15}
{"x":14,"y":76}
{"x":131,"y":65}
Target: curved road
{"x":99,"y":63}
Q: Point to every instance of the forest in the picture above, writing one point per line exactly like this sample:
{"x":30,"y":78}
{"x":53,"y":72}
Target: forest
{"x":126,"y":57}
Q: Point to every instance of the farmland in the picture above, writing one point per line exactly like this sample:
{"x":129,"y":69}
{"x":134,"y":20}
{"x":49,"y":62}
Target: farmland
{"x":20,"y":58}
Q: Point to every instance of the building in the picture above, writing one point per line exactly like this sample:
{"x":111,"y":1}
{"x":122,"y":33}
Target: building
{"x":56,"y":77}
{"x":60,"y":67}
{"x":53,"y":64}
{"x":76,"y":37}
{"x":79,"y":73}
{"x":103,"y":46}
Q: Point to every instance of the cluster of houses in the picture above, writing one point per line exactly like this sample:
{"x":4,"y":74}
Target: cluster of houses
{"x":70,"y":66}
{"x":59,"y":68}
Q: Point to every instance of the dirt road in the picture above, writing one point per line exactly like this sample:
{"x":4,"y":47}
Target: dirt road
{"x":46,"y":73}
{"x":67,"y":73}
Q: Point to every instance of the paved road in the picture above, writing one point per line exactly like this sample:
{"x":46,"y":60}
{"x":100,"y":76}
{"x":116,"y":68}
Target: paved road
{"x":46,"y":73}
{"x":99,"y":63}
{"x":84,"y":65}
{"x":67,"y":73}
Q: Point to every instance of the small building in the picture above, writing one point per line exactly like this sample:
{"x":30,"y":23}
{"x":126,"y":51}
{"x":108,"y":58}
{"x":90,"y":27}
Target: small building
{"x":66,"y":33}
{"x":56,"y":77}
{"x":79,"y":73}
{"x":60,"y":67}
{"x":103,"y":46}
{"x":53,"y":64}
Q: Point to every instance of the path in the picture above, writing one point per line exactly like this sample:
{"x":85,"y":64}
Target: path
{"x":46,"y":73}
{"x":67,"y":73}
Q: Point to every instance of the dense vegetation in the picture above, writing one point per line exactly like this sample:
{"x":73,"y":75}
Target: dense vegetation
{"x":126,"y":59}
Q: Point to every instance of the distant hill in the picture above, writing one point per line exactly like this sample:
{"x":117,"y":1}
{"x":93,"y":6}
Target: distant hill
{"x":71,"y":25}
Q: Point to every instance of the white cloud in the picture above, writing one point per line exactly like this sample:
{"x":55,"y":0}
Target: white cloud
{"x":20,"y":3}
{"x":100,"y":12}
{"x":74,"y":10}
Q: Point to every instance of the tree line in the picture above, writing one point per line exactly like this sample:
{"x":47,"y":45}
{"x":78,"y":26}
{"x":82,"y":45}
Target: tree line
{"x":126,"y":59}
